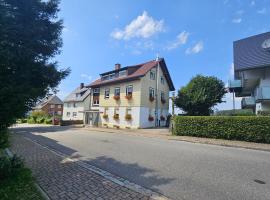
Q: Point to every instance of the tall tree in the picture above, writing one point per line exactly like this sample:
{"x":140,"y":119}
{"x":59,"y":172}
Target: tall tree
{"x":30,"y":37}
{"x":200,"y":95}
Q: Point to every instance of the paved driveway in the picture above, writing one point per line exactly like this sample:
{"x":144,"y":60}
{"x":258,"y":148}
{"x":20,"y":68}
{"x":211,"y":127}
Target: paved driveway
{"x":179,"y":170}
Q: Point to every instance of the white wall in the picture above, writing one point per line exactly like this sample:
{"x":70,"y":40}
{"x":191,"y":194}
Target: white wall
{"x":71,"y":109}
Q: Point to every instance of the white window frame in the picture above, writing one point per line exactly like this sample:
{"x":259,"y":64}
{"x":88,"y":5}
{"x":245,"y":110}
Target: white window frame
{"x":95,"y":102}
{"x":127,"y":90}
{"x":68,"y":114}
{"x":107,"y":93}
{"x":162,"y":80}
{"x":152,"y":75}
{"x":75,"y":105}
{"x":151,"y":92}
{"x":52,"y":106}
{"x":162,"y":94}
{"x":59,"y":106}
{"x":74,"y":114}
{"x":117,"y":88}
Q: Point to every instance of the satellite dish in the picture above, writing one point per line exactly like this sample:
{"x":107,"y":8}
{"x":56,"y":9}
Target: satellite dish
{"x":266,"y":45}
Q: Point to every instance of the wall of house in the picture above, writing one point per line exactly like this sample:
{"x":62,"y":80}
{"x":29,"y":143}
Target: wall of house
{"x":57,"y":110}
{"x":71,"y":109}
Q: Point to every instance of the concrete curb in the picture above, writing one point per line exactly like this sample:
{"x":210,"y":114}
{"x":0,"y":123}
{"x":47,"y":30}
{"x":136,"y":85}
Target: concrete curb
{"x":42,"y":192}
{"x":107,"y":175}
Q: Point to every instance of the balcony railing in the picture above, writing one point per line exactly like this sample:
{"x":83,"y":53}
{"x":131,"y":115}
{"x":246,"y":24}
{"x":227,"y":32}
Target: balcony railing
{"x":234,"y":84}
{"x":263,"y":93}
{"x":248,"y":102}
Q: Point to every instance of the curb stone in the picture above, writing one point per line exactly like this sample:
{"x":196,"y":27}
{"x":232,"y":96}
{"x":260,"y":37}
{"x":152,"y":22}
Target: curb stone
{"x":118,"y":180}
{"x":42,"y":192}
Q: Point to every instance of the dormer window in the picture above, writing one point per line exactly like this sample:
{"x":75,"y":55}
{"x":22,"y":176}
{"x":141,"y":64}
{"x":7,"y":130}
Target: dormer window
{"x":122,"y":73}
{"x":78,"y":95}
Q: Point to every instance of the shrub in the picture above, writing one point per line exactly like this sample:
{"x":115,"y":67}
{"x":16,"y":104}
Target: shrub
{"x":237,"y":112}
{"x":116,"y":116}
{"x":150,"y":118}
{"x":4,"y":134}
{"x":8,"y":166}
{"x":162,"y":118}
{"x":151,"y":99}
{"x":128,"y":117}
{"x":263,"y":113}
{"x":105,"y":116}
{"x":128,"y":97}
{"x":116,"y":97}
{"x":245,"y":128}
{"x":31,"y":120}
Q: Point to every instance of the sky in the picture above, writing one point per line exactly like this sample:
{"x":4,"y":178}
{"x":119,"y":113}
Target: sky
{"x":194,"y":37}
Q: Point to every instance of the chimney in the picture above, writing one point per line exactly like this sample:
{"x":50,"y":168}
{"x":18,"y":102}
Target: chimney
{"x":117,"y":66}
{"x":81,"y":85}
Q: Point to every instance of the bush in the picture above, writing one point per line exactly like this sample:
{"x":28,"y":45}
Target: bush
{"x":4,"y":134}
{"x":237,"y":112}
{"x":263,"y":113}
{"x":9,"y":166}
{"x":245,"y":128}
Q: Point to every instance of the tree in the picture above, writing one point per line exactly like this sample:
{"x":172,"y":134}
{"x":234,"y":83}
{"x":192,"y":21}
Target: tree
{"x":30,"y":38}
{"x":200,"y":95}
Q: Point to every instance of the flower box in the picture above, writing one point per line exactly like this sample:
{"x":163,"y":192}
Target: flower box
{"x":128,"y":117}
{"x":162,"y":118}
{"x":116,"y":97}
{"x":151,"y":99}
{"x":150,"y":118}
{"x":116,"y":116}
{"x":105,"y":116}
{"x":128,"y":97}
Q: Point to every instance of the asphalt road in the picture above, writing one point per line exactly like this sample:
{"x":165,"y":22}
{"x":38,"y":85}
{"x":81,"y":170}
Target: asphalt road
{"x":179,"y":170}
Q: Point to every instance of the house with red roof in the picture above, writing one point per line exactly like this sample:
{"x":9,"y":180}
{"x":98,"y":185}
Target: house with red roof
{"x":134,"y":96}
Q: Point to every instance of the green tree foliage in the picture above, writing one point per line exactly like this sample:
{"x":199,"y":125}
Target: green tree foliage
{"x":200,"y":95}
{"x":30,"y":37}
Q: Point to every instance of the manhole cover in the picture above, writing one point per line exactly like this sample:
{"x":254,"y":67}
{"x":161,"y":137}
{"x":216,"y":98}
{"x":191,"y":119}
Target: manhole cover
{"x":259,"y":181}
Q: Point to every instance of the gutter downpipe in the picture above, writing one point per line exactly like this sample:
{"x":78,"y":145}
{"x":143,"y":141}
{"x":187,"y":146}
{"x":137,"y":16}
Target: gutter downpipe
{"x":157,"y":87}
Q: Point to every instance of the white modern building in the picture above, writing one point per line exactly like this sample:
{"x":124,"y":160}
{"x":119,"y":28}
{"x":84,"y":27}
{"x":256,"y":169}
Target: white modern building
{"x":252,"y":72}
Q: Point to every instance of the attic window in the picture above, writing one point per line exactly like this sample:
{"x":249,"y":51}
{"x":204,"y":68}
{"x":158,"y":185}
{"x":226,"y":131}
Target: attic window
{"x":152,"y":75}
{"x":78,"y":95}
{"x":123,"y":73}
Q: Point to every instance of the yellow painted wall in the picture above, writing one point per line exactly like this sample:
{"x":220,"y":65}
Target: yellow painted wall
{"x":122,"y":102}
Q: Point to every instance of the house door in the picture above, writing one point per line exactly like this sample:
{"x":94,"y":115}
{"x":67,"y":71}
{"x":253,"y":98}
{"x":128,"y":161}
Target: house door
{"x":92,"y":118}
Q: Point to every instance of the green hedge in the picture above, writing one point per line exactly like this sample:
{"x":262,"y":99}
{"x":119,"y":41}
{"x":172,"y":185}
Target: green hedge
{"x":245,"y":128}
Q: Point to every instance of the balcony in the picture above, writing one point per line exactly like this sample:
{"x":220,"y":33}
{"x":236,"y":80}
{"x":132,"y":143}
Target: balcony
{"x":234,"y":85}
{"x":263,"y":93}
{"x":248,"y":102}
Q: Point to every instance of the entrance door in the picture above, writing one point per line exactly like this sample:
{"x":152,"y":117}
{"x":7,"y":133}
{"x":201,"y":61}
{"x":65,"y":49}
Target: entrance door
{"x":92,"y":118}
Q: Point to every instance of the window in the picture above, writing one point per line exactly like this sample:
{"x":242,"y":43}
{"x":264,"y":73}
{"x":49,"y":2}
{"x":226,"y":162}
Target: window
{"x":59,"y":112}
{"x":111,"y":76}
{"x":74,"y":114}
{"x":96,"y":91}
{"x":74,"y":105}
{"x":117,"y":91}
{"x":128,"y":111}
{"x":129,"y":90}
{"x":95,"y":101}
{"x":59,"y":106}
{"x":107,"y":93}
{"x":68,"y":114}
{"x":52,"y":106}
{"x":151,"y":93}
{"x":152,"y":75}
{"x":68,"y":105}
{"x":122,"y":73}
{"x":162,"y":96}
{"x":162,"y":80}
{"x":105,"y":77}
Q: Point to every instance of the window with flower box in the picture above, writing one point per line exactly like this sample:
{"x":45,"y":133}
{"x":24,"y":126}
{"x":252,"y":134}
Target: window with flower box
{"x":151,"y":94}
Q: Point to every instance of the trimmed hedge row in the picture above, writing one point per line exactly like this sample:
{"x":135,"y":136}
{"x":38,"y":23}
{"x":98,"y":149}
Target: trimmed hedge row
{"x":245,"y":128}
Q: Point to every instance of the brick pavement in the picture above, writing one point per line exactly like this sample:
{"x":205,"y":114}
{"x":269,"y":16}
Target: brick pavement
{"x":68,"y":180}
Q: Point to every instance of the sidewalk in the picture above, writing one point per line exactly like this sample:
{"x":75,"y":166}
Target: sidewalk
{"x":67,"y":180}
{"x":164,"y":133}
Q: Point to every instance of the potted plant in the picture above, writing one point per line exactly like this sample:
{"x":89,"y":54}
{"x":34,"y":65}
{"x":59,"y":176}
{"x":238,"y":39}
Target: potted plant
{"x":129,"y":96}
{"x":116,"y":97}
{"x":105,"y":116}
{"x":163,"y":101}
{"x":162,"y":118}
{"x":128,"y":117}
{"x":150,"y":118}
{"x":151,"y":98}
{"x":116,"y":116}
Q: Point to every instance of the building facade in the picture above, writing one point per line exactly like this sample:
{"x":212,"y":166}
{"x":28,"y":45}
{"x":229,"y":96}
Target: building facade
{"x":76,"y":103}
{"x":252,"y":72}
{"x":51,"y":105}
{"x":132,"y":97}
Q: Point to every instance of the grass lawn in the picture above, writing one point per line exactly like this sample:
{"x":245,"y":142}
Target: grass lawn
{"x":19,"y":186}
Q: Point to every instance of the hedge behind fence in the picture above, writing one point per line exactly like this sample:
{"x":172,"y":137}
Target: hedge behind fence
{"x":245,"y":128}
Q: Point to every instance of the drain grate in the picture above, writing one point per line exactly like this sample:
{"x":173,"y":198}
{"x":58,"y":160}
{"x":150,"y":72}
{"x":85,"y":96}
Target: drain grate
{"x":259,"y":181}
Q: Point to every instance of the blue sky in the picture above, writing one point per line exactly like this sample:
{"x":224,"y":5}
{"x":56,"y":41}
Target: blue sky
{"x":194,"y":37}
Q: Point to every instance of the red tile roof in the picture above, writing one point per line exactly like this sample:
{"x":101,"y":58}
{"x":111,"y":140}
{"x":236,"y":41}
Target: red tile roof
{"x":141,"y":71}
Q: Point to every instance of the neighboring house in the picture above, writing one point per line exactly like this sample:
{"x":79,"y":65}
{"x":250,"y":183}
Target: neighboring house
{"x":252,"y":72}
{"x":76,"y":103}
{"x":51,"y":105}
{"x":132,"y":97}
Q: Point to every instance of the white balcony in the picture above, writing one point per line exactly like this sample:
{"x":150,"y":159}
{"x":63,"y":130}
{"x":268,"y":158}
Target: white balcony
{"x":248,"y":102}
{"x":263,"y":93}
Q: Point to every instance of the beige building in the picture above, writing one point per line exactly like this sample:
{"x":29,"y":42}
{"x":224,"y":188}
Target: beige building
{"x":131,"y":97}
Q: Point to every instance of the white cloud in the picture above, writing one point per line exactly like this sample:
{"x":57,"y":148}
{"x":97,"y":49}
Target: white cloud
{"x":144,"y":26}
{"x":180,"y":40}
{"x":86,"y":76}
{"x":252,"y":3}
{"x":198,"y":47}
{"x":237,"y":20}
{"x":262,"y":11}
